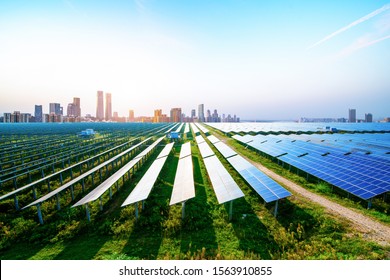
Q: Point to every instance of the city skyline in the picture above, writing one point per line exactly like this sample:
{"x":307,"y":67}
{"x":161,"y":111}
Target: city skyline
{"x":278,"y":60}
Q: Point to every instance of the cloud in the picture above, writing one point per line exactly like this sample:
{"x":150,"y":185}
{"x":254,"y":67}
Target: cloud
{"x":363,"y":44}
{"x":345,"y":28}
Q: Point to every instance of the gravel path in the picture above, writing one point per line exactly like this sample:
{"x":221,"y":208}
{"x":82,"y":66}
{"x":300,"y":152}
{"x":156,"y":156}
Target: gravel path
{"x":370,"y":228}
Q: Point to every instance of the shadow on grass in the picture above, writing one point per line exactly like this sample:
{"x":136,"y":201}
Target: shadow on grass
{"x":145,"y":239}
{"x":198,"y":233}
{"x":254,"y":237}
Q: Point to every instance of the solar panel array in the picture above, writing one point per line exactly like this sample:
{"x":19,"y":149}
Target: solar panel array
{"x":267,"y":188}
{"x":225,"y":188}
{"x":364,"y":173}
{"x":269,"y":127}
{"x":103,"y":187}
{"x":183,"y":186}
{"x":187,"y":128}
{"x":145,"y":185}
{"x":82,"y":176}
{"x":195,"y":129}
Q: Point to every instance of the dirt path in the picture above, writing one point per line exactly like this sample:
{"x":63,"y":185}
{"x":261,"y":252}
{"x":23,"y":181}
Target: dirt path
{"x":371,"y":229}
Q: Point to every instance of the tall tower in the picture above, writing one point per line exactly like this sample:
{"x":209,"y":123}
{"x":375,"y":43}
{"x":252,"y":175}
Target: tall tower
{"x":99,"y":106}
{"x":352,"y":115}
{"x":76,"y":102}
{"x":201,"y":112}
{"x":108,"y":107}
{"x":176,"y":115}
{"x":368,"y":117}
{"x":131,"y":116}
{"x":38,"y":113}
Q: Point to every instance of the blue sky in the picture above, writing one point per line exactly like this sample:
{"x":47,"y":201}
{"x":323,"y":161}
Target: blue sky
{"x":256,"y":59}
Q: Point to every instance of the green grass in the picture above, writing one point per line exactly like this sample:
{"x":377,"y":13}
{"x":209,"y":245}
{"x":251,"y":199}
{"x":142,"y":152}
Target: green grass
{"x":302,"y":230}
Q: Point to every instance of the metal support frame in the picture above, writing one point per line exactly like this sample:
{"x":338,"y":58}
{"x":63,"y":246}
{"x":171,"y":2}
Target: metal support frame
{"x":110,"y":192}
{"x":16,"y":202}
{"x":100,"y":204}
{"x":183,"y":209}
{"x":87,"y":212}
{"x":72,"y":192}
{"x":58,"y":201}
{"x":369,"y":203}
{"x":276,"y":208}
{"x":39,"y":214}
{"x":230,"y":210}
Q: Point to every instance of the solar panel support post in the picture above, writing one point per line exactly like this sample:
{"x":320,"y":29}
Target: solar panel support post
{"x":276,"y":208}
{"x":48,"y":185}
{"x":72,"y":192}
{"x":100,"y":204}
{"x":58,"y":201}
{"x":183,"y":209}
{"x":43,"y":174}
{"x":143,"y":204}
{"x":110,"y":192}
{"x":34,"y":193}
{"x":16,"y":201}
{"x":71,"y":173}
{"x":83,"y":185}
{"x":39,"y":213}
{"x":87,"y":212}
{"x":369,"y":205}
{"x":61,"y":180}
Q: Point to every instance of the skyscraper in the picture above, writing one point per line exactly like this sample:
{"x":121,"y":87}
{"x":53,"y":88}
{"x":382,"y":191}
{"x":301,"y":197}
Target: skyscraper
{"x":201,"y":112}
{"x":352,"y":115}
{"x":157,"y":115}
{"x":368,"y":117}
{"x":108,"y":107}
{"x":131,"y":115}
{"x":76,"y":102}
{"x":175,"y":115}
{"x":99,"y":106}
{"x":38,"y":113}
{"x":55,"y":108}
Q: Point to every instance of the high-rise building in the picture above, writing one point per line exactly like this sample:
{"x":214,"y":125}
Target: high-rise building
{"x":368,"y":117}
{"x":157,"y":116}
{"x":76,"y":102}
{"x":38,"y":113}
{"x":193,"y":113}
{"x":352,"y":115}
{"x":201,"y":112}
{"x":100,"y":106}
{"x":108,"y":107}
{"x":131,"y":116}
{"x":55,"y":108}
{"x":175,"y":115}
{"x":71,"y":110}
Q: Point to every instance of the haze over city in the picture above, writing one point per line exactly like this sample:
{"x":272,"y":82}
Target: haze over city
{"x":256,"y":59}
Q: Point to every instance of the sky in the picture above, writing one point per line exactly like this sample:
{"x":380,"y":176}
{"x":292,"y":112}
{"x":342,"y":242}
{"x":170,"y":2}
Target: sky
{"x":269,"y":60}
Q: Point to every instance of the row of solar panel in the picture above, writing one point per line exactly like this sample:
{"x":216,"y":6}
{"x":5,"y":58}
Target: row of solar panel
{"x":365,"y":176}
{"x":267,"y":188}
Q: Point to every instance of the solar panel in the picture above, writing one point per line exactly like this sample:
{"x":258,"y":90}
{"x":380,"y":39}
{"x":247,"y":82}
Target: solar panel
{"x":165,"y":152}
{"x":205,"y":150}
{"x":213,"y":139}
{"x":199,"y":139}
{"x":187,"y":128}
{"x":184,"y":186}
{"x":267,"y":188}
{"x":145,"y":185}
{"x":185,"y":150}
{"x":202,"y":128}
{"x":224,"y":149}
{"x":194,"y":128}
{"x":225,"y":188}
